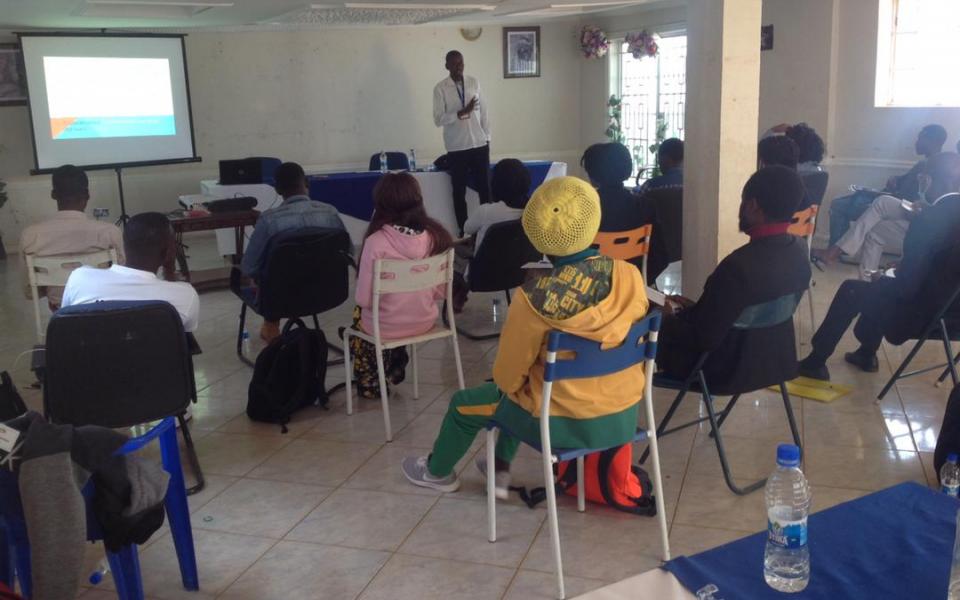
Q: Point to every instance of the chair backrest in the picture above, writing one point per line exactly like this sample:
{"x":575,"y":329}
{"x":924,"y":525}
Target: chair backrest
{"x":624,"y":245}
{"x":668,"y":220}
{"x":396,"y":161}
{"x":804,"y":222}
{"x":401,"y":276}
{"x":498,"y":263}
{"x":306,"y":272}
{"x":768,"y":314}
{"x":591,"y":360}
{"x":815,"y":183}
{"x":55,"y":270}
{"x":116,"y":364}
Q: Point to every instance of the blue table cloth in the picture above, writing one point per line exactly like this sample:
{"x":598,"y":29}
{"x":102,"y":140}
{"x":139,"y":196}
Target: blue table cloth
{"x":896,"y":543}
{"x":352,"y":193}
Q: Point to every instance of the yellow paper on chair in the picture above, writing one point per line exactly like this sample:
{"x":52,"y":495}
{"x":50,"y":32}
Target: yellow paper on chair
{"x":814,"y":389}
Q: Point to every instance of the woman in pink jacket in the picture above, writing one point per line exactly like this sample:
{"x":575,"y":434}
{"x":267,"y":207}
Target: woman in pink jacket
{"x":399,"y":230}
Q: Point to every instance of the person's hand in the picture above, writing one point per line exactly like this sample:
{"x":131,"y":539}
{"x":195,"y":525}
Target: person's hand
{"x":674,"y":304}
{"x":466,"y":110}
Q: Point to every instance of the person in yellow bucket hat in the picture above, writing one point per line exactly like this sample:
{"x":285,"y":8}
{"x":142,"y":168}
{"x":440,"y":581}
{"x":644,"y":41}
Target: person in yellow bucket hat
{"x":584,"y":294}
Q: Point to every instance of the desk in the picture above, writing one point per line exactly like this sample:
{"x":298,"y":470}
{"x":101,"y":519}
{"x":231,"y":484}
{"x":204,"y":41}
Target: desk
{"x":266,"y":197}
{"x":235,"y":220}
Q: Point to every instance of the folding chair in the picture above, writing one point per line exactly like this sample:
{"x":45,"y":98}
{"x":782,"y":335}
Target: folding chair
{"x":397,"y":277}
{"x":758,"y":316}
{"x":54,"y":271}
{"x":124,"y":564}
{"x":590,"y":360}
{"x":804,"y":224}
{"x":626,"y":245}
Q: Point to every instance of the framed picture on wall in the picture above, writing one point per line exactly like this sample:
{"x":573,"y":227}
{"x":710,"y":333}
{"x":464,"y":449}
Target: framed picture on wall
{"x":13,"y":80}
{"x":521,"y":52}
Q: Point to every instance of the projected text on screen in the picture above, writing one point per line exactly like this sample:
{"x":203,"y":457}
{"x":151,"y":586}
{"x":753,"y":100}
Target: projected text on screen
{"x":98,"y":97}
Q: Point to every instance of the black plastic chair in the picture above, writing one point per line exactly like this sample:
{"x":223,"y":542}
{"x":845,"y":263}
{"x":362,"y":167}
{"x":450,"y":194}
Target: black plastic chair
{"x":815,"y":182}
{"x":305,"y":273}
{"x":498,"y":263}
{"x":665,"y":207}
{"x":120,"y":364}
{"x":396,"y":161}
{"x":769,"y":314}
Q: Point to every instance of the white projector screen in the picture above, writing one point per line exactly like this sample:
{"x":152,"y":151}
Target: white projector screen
{"x":106,"y":101}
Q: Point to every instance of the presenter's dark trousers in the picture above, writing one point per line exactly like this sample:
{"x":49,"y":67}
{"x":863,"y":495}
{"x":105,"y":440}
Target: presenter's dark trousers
{"x":463,"y":164}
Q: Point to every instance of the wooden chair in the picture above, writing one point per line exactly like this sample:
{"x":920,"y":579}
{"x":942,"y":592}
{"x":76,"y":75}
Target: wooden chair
{"x":804,"y":224}
{"x":626,"y":245}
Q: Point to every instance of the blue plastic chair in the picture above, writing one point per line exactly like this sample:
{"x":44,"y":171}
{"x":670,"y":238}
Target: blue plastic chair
{"x":590,"y":360}
{"x":125,"y":564}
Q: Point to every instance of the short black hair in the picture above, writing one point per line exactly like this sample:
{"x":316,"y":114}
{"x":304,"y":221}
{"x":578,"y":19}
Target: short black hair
{"x":778,"y":150}
{"x":808,"y":141}
{"x":671,"y":148}
{"x":146,"y":235}
{"x":936,"y":133}
{"x":607,"y":164}
{"x":451,"y":54}
{"x":70,"y":181}
{"x":778,"y":191}
{"x":510,"y":183}
{"x":287,"y":178}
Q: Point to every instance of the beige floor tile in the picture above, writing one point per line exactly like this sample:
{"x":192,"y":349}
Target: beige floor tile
{"x":861,"y":468}
{"x":300,"y":422}
{"x":926,"y":458}
{"x":262,"y":508}
{"x":416,"y":578}
{"x":363,"y":519}
{"x":825,"y":497}
{"x":925,"y":428}
{"x":421,"y":432}
{"x":749,"y":459}
{"x":382,"y":472}
{"x":534,"y":585}
{"x":457,"y":529}
{"x":865,"y":430}
{"x":320,"y":462}
{"x":236,"y":454}
{"x":293,"y":571}
{"x":707,"y":502}
{"x":687,"y":540}
{"x":364,"y":426}
{"x":214,"y":484}
{"x":759,"y":416}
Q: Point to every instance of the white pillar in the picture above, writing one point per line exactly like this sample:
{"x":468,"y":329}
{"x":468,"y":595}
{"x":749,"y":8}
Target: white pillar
{"x":723,"y":98}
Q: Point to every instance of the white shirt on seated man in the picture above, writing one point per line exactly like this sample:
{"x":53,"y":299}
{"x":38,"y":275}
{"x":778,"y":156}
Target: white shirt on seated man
{"x":149,"y":245}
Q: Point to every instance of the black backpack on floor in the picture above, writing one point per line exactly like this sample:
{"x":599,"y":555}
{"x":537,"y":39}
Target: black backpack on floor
{"x":288,"y":375}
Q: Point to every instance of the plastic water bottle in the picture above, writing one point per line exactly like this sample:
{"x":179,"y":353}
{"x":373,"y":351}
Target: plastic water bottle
{"x":786,"y":559}
{"x":103,"y":568}
{"x":413,"y":160}
{"x":496,"y":309}
{"x":950,"y":476}
{"x":246,"y":342}
{"x":383,"y":161}
{"x":953,"y":592}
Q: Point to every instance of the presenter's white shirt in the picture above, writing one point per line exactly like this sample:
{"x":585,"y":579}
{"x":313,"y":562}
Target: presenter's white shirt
{"x":460,"y":134}
{"x":89,"y":284}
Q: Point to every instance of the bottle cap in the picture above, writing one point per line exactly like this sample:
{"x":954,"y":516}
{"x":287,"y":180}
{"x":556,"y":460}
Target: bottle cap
{"x":952,"y":457}
{"x":788,"y":455}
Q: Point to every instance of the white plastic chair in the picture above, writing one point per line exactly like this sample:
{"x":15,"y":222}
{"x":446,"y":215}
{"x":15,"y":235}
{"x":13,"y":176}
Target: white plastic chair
{"x":397,"y":277}
{"x":590,"y":360}
{"x":53,"y":271}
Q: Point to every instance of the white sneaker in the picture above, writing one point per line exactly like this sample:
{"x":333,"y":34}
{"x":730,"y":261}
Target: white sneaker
{"x":415,"y":470}
{"x":501,"y":480}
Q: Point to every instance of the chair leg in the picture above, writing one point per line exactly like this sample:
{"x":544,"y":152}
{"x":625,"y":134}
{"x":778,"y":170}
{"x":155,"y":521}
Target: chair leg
{"x":666,"y":419}
{"x":416,"y":372}
{"x":178,"y":511}
{"x":726,"y":412}
{"x":348,"y":370}
{"x":456,"y":358}
{"x":724,"y":464}
{"x":948,"y":350}
{"x":554,"y":523}
{"x":491,"y":487}
{"x":192,"y":457}
{"x":903,"y":365}
{"x":813,"y":323}
{"x":125,"y":566}
{"x":947,"y":371}
{"x":16,"y":562}
{"x":384,"y":394}
{"x":243,"y":322}
{"x":791,"y":419}
{"x":581,"y":488}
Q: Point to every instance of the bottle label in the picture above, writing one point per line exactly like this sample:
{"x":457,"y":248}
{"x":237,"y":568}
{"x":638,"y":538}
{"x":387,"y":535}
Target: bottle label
{"x":951,"y":490}
{"x":787,"y":534}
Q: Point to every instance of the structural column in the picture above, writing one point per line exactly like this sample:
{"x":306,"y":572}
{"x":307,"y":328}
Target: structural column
{"x":723,"y":99}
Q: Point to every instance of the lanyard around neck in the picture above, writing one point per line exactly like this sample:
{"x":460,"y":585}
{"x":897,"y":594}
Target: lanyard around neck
{"x":461,"y":92}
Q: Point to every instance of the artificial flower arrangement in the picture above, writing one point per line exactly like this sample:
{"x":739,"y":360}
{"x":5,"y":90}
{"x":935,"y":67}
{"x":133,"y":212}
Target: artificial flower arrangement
{"x":593,"y":42}
{"x":642,"y":43}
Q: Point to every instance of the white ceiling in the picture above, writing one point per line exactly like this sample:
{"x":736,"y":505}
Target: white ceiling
{"x":285,"y":14}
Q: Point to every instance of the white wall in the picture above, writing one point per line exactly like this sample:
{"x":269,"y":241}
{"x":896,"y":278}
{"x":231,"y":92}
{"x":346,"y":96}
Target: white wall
{"x":326,"y":99}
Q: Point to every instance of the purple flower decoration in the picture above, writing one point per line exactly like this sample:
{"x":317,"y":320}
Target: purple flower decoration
{"x":593,"y":42}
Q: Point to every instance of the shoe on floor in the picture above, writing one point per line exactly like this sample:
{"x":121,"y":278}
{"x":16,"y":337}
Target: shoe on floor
{"x":501,"y":480}
{"x":415,"y":470}
{"x":865,"y":362}
{"x":812,"y":370}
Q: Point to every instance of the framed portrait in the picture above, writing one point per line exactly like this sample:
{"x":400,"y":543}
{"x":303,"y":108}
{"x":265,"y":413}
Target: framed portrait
{"x":13,"y":80}
{"x":521,"y":52}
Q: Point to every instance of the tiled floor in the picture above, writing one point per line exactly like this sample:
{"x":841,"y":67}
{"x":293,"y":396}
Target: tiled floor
{"x":323,"y":511}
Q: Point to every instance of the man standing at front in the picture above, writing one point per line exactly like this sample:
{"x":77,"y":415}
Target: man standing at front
{"x":457,"y":107}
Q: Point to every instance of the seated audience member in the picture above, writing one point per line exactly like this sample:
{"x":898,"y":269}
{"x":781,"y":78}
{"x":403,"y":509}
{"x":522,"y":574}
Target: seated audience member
{"x":897,"y":307}
{"x":781,"y":150}
{"x":591,"y":296}
{"x":771,"y":265}
{"x":149,"y":246}
{"x":70,"y":231}
{"x":670,"y":161}
{"x":608,"y":165}
{"x":296,"y":212}
{"x":809,"y":144}
{"x":846,"y":209}
{"x":887,"y":219}
{"x":399,"y":230}
{"x":510,"y":189}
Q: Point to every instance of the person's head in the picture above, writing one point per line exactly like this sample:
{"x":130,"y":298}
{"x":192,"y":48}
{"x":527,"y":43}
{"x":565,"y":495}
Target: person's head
{"x":941,"y":175}
{"x":71,"y":189}
{"x":454,"y":64}
{"x":290,"y":180}
{"x":607,"y":164}
{"x":510,"y":183}
{"x":930,"y":140}
{"x":771,"y":195}
{"x":778,"y":150}
{"x":562,"y":217}
{"x":148,"y":242}
{"x":809,"y":143}
{"x":397,"y":201}
{"x":670,"y":154}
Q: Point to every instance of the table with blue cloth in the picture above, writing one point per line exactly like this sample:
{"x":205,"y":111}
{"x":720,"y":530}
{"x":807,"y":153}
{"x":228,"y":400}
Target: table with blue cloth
{"x":893,"y":544}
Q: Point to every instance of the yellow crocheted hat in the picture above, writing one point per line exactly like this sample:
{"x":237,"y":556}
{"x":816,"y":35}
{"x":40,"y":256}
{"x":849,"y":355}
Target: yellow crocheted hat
{"x":563,"y":216}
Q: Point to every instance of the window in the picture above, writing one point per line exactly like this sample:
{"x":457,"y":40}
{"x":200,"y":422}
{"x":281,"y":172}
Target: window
{"x":653,"y":95}
{"x":918,"y":42}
